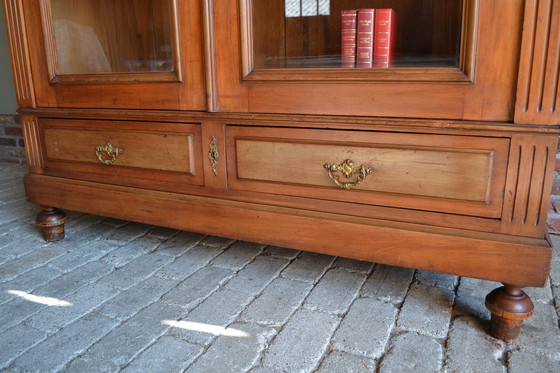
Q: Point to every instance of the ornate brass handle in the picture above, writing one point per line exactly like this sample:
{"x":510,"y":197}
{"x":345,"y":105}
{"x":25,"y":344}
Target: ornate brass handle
{"x":347,"y":169}
{"x":108,"y":153}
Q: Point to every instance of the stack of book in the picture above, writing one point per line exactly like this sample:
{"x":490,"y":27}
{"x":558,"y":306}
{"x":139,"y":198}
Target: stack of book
{"x":368,"y":37}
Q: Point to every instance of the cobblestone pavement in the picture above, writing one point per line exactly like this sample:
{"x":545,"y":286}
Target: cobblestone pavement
{"x":121,"y":296}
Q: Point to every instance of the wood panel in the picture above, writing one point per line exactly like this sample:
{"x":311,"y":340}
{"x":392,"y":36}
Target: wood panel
{"x":17,"y":39}
{"x":538,"y":91}
{"x":463,"y":175}
{"x":166,"y":152}
{"x":158,"y":151}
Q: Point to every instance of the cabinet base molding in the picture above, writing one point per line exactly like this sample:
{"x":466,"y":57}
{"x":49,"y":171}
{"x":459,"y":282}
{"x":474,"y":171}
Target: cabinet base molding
{"x":496,"y":257}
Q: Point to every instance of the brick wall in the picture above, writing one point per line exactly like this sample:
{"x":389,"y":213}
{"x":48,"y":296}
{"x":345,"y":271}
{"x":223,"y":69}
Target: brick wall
{"x":11,"y":140}
{"x":12,"y":150}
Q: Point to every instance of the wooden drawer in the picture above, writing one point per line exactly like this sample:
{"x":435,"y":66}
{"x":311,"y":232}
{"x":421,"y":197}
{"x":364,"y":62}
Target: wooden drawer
{"x":147,"y":152}
{"x":444,"y":173}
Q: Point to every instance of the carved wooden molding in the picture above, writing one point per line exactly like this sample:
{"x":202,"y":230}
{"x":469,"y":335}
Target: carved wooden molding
{"x":17,"y":39}
{"x":528,"y":184}
{"x":33,"y":149}
{"x":538,"y":90}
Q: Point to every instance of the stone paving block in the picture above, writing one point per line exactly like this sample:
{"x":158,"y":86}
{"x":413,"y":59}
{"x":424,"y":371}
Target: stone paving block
{"x":74,"y":280}
{"x":166,"y":355}
{"x":555,"y":273}
{"x":556,"y":293}
{"x":163,"y":233}
{"x":29,"y":261}
{"x":53,"y":353}
{"x":520,"y":362}
{"x":177,"y":245}
{"x":262,"y":369}
{"x":188,"y":263}
{"x":471,"y":349}
{"x":257,"y":275}
{"x":427,"y":309}
{"x":21,"y":228}
{"x":18,"y":247}
{"x":353,"y":265}
{"x":135,"y":271}
{"x":338,"y":361}
{"x":51,"y":319}
{"x":281,"y":252}
{"x":234,"y":353}
{"x":115,"y":222}
{"x":132,"y":300}
{"x":238,"y":255}
{"x":336,"y":290}
{"x":388,"y":283}
{"x":541,"y":295}
{"x":214,"y":241}
{"x":17,"y":310}
{"x":16,"y":341}
{"x":79,"y":223}
{"x":412,"y":352}
{"x":116,"y":349}
{"x":16,"y":210}
{"x":82,"y":255}
{"x":128,"y":232}
{"x":308,"y":267}
{"x":471,"y":295}
{"x":540,"y":334}
{"x":365,"y":330}
{"x":27,"y":282}
{"x":199,"y":286}
{"x":555,"y":238}
{"x":132,"y":250}
{"x":441,"y":280}
{"x":301,"y":344}
{"x":278,"y":301}
{"x":83,"y":236}
{"x":218,"y":310}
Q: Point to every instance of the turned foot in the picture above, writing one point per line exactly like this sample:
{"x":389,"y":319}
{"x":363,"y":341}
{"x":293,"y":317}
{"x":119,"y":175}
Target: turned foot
{"x":52,"y":221}
{"x":509,"y":306}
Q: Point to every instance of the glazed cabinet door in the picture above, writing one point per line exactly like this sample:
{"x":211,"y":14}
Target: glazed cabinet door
{"x":444,"y":59}
{"x":108,"y":54}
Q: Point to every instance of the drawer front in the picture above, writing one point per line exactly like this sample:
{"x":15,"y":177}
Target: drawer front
{"x":454,"y":174}
{"x":123,"y":151}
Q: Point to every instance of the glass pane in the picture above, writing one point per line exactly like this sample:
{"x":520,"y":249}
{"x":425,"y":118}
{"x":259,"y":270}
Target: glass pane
{"x":108,"y":36}
{"x":315,"y":34}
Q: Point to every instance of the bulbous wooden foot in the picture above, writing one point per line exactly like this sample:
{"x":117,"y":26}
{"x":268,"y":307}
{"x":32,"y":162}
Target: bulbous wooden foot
{"x":509,"y":306}
{"x":52,"y":221}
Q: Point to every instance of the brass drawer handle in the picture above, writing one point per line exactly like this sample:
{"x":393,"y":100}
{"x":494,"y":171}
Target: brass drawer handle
{"x":108,"y":153}
{"x":348,"y":169}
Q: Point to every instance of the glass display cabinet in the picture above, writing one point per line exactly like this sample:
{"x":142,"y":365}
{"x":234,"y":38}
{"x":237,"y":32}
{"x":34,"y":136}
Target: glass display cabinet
{"x":415,"y":133}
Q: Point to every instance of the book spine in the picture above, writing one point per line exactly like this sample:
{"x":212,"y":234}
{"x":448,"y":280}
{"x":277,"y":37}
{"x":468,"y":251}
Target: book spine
{"x":348,"y":38}
{"x":384,"y":41}
{"x":365,"y":34}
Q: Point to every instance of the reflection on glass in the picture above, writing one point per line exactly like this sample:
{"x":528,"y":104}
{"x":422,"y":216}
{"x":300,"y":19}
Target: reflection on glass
{"x":108,"y":36}
{"x":307,"y":33}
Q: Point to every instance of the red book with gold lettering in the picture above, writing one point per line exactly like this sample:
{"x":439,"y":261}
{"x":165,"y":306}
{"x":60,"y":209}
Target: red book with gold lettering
{"x":365,"y":36}
{"x":348,"y":38}
{"x":384,"y":41}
